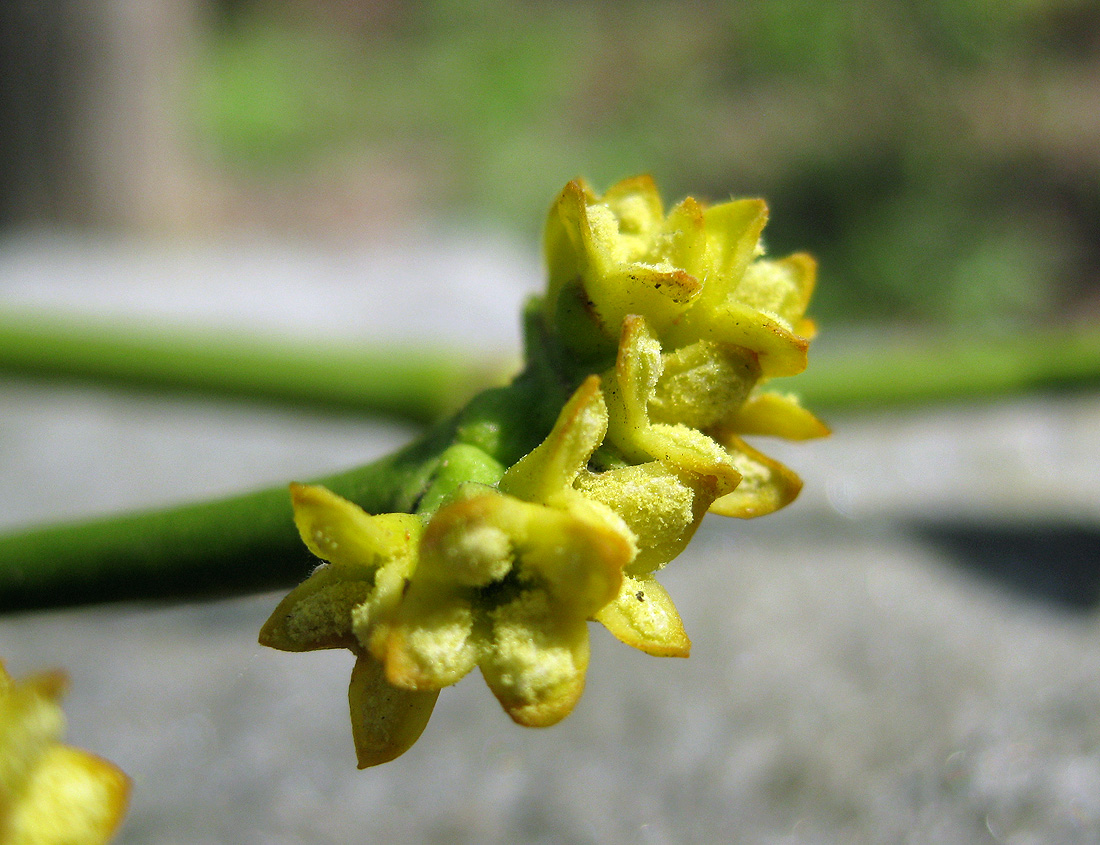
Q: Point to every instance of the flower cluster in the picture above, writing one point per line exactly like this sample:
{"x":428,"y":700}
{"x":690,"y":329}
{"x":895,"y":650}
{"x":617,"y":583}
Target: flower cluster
{"x":697,"y":319}
{"x":663,"y":327}
{"x":50,"y":792}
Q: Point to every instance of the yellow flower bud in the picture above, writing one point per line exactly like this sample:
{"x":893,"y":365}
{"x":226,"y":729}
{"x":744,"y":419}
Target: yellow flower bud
{"x":695,"y":274}
{"x":348,"y":602}
{"x":49,"y":792}
{"x":664,"y":326}
{"x":508,"y":577}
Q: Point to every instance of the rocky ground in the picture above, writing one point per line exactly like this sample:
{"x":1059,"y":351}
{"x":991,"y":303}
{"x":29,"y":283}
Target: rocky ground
{"x":910,"y":653}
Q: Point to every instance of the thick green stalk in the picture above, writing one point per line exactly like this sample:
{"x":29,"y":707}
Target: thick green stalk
{"x":243,"y":543}
{"x":424,"y":386}
{"x":886,"y":373}
{"x":249,"y":543}
{"x":397,"y":380}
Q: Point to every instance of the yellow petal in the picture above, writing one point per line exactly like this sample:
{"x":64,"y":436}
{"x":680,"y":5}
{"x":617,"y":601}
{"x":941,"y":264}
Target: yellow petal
{"x":566,"y":237}
{"x":635,"y":261}
{"x":781,"y":287}
{"x":682,"y":241}
{"x":340,"y":531}
{"x":766,"y":484}
{"x":777,"y":288}
{"x":371,"y":620}
{"x":636,"y":374}
{"x":637,"y":369}
{"x":660,"y":506}
{"x":432,"y":644}
{"x":385,"y":720}
{"x":31,"y":720}
{"x":692,"y":451}
{"x":780,"y":351}
{"x":702,"y":384}
{"x":733,"y":239}
{"x":49,"y":792}
{"x":643,"y":616}
{"x":637,"y":204}
{"x":775,"y":415}
{"x":468,"y":543}
{"x":577,"y":554}
{"x":317,"y":613}
{"x":553,"y":465}
{"x":70,"y":797}
{"x":662,"y":293}
{"x":537,"y":659}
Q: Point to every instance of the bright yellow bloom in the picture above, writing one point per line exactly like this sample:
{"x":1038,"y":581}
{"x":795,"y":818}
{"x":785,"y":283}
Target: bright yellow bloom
{"x":492,"y":580}
{"x":51,"y":794}
{"x":701,"y":318}
{"x":694,"y":275}
{"x":508,"y":578}
{"x":666,"y":326}
{"x":369,"y":559}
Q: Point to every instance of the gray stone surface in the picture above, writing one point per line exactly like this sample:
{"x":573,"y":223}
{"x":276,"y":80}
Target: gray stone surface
{"x":853,"y":677}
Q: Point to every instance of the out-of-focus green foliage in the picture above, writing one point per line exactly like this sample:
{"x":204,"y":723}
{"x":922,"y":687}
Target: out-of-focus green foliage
{"x":940,"y":158}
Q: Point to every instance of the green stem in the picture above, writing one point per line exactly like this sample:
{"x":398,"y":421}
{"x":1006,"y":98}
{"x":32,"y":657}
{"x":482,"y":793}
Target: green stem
{"x":401,"y":381}
{"x":425,"y":386}
{"x":249,"y":543}
{"x":243,"y":543}
{"x":887,"y":373}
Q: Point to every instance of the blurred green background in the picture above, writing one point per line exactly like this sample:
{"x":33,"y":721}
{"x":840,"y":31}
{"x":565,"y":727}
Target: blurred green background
{"x":941,"y":158}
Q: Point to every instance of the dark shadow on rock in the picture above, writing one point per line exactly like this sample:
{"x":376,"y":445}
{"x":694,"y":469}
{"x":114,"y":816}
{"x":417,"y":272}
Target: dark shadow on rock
{"x":1052,"y":562}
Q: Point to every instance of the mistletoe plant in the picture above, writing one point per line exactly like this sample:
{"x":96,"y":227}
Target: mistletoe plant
{"x":492,"y":541}
{"x":557,"y":499}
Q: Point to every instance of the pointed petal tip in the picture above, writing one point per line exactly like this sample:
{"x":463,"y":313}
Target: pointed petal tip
{"x":644,"y":617}
{"x":385,"y":721}
{"x":642,"y":183}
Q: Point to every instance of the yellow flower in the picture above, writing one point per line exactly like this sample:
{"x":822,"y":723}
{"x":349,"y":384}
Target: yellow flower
{"x":369,"y":559}
{"x":508,"y":578}
{"x":666,"y":326}
{"x":694,"y":275}
{"x":491,"y":580}
{"x":51,"y":793}
{"x":507,"y":585}
{"x":700,"y":319}
{"x":736,"y":479}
